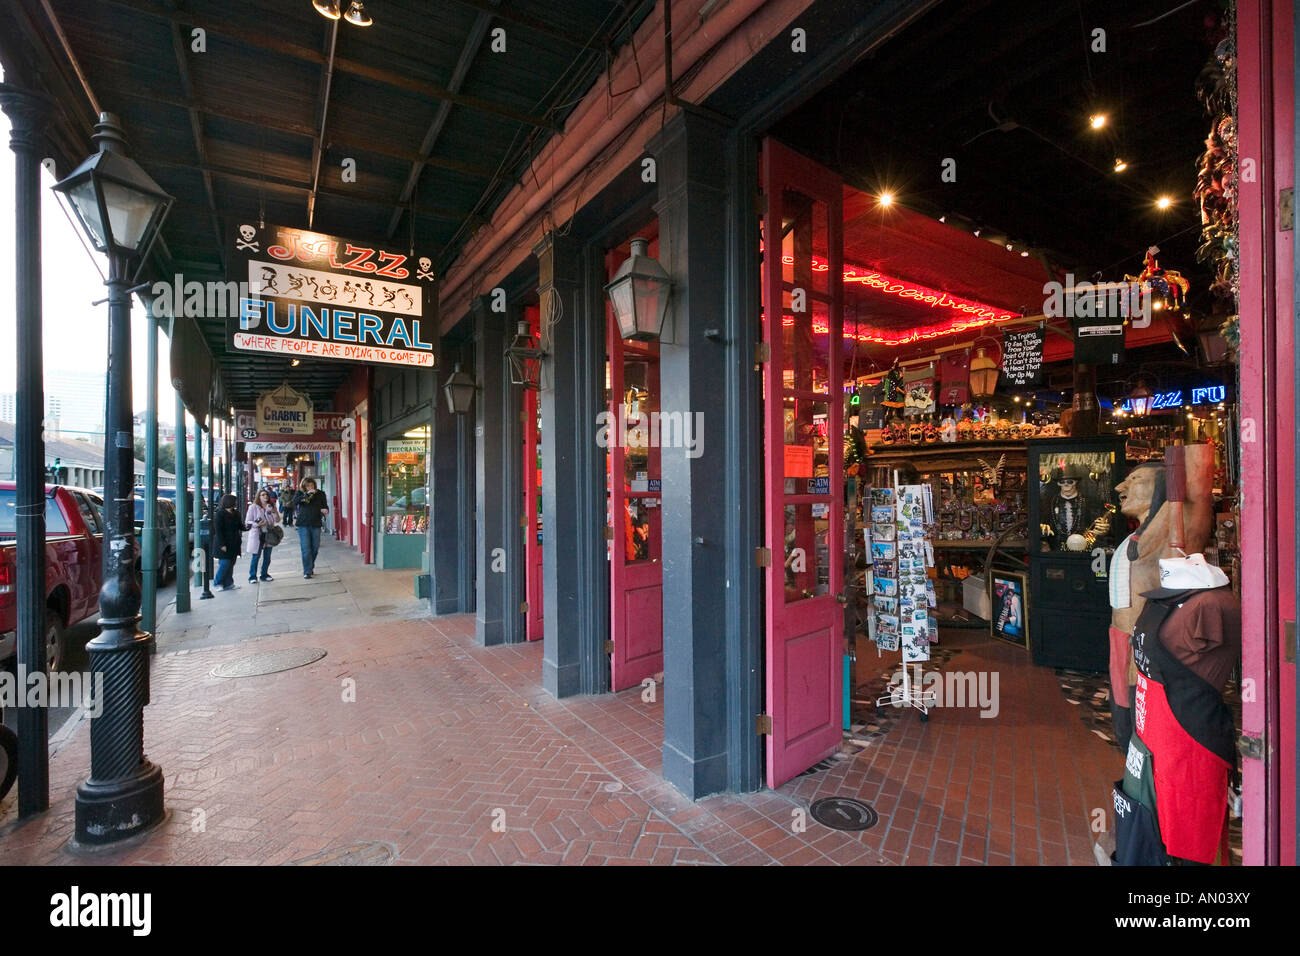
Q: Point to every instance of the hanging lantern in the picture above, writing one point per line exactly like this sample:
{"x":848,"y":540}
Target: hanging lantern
{"x":1140,"y":399}
{"x":525,"y":358}
{"x":983,"y":374}
{"x":459,"y":390}
{"x":639,"y":293}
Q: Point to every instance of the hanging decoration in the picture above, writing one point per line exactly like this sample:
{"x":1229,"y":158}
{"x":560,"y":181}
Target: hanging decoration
{"x":1165,"y":287}
{"x":954,"y":377}
{"x":918,"y":386}
{"x":892,"y":394}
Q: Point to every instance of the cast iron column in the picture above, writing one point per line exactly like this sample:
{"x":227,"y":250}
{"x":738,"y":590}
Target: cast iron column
{"x":498,"y":487}
{"x":149,"y":551}
{"x":575,"y":577}
{"x":182,"y":507}
{"x":694,"y":361}
{"x":28,"y":113}
{"x":124,"y":794}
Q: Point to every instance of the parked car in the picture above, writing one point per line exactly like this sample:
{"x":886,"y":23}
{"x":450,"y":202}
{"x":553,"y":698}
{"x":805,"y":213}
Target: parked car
{"x":74,"y":541}
{"x":165,"y":521}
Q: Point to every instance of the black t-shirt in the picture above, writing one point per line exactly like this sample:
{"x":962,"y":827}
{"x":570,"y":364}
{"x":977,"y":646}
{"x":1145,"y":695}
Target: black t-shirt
{"x":308,"y":508}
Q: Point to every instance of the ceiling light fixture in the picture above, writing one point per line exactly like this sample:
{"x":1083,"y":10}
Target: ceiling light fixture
{"x":329,"y":9}
{"x":1164,"y":202}
{"x":1120,"y":165}
{"x":886,"y":199}
{"x":294,"y":362}
{"x":357,"y":15}
{"x":1097,"y":120}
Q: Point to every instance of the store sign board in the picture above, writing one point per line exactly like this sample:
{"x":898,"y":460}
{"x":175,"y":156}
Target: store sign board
{"x":1022,"y":357}
{"x":308,"y":295}
{"x":332,"y":430}
{"x":1098,"y":341}
{"x":285,"y":411}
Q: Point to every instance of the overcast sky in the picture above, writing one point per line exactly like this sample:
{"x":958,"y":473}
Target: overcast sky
{"x":75,"y":332}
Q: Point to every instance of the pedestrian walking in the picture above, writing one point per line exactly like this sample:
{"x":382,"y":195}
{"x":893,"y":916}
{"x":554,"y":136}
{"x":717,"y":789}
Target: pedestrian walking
{"x":310,"y":505}
{"x":227,"y":532}
{"x":287,"y":498}
{"x":260,"y":519}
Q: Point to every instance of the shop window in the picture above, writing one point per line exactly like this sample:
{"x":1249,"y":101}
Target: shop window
{"x":406,"y":486}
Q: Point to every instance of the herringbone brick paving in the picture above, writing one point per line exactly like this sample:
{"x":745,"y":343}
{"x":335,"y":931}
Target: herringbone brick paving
{"x":445,"y":739}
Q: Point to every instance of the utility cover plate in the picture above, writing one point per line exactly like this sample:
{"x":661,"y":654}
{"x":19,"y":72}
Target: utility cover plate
{"x":269,"y":662}
{"x":844,"y":813}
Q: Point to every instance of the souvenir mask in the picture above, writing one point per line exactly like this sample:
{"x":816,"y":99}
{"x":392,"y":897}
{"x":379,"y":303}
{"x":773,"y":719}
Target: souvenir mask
{"x":948,"y":430}
{"x":916,"y":433}
{"x":965,"y":430}
{"x":931,"y":433}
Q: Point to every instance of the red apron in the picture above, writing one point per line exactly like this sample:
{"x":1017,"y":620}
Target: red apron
{"x":1189,"y":730}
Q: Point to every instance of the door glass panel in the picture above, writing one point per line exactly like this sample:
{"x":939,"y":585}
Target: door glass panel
{"x":807,"y":448}
{"x":807,"y":557}
{"x":641,"y":530}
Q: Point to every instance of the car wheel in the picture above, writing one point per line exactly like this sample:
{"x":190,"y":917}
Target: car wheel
{"x":8,"y":759}
{"x":53,"y":640}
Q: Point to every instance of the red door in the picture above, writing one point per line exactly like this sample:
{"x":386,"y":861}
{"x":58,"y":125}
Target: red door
{"x":1266,"y":129}
{"x":533,"y":626}
{"x":803,"y":408}
{"x":636,"y":575}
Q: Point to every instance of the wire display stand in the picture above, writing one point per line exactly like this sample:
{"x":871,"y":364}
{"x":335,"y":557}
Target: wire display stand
{"x":908,"y":693}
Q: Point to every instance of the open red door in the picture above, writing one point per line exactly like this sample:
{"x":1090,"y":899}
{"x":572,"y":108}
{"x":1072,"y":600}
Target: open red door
{"x":636,"y":574}
{"x":533,"y":626}
{"x":803,"y":405}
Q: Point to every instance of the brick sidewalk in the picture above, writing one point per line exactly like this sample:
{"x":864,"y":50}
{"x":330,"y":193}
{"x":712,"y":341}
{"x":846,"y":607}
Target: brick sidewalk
{"x":445,"y":737}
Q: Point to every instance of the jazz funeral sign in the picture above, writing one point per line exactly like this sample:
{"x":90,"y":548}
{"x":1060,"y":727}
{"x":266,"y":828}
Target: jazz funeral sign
{"x":317,"y":296}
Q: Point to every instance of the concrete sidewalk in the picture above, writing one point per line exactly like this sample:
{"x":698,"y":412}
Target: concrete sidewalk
{"x":408,"y":743}
{"x":342,"y":589}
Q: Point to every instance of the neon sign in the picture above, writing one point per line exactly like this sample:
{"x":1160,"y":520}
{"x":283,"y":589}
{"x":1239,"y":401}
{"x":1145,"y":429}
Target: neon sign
{"x":969,"y":314}
{"x":1169,"y":401}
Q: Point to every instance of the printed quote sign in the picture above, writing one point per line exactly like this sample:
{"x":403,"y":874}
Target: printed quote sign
{"x":1022,"y":357}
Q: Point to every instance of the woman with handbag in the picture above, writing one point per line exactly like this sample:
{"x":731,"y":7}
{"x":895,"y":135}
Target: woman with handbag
{"x":264,"y":533}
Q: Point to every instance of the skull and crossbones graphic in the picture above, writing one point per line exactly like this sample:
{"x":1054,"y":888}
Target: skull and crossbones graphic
{"x":425,"y":272}
{"x":247,"y":244}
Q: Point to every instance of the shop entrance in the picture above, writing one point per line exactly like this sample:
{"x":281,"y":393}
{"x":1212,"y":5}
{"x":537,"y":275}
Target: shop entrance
{"x":802,"y":386}
{"x":633,"y":434}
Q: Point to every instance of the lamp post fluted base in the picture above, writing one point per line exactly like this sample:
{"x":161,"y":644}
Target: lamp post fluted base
{"x":119,"y":809}
{"x":124,"y":794}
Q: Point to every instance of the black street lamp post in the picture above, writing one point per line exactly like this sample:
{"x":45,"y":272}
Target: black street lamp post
{"x":121,"y":209}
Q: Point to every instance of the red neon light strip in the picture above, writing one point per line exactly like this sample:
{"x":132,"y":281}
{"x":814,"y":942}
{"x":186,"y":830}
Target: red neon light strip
{"x":973,"y":315}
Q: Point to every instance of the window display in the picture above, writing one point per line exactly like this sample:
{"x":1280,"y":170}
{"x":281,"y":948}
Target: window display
{"x":406,"y":486}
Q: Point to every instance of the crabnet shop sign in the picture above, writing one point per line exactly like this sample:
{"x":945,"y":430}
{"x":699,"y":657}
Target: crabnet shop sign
{"x":330,"y":432}
{"x":285,"y":411}
{"x":310,"y":295}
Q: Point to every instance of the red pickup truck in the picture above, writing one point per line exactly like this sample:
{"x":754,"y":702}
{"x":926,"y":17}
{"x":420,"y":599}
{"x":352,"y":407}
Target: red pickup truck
{"x":74,"y":538}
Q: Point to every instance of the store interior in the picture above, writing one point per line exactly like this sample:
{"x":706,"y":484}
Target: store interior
{"x":985,"y":155}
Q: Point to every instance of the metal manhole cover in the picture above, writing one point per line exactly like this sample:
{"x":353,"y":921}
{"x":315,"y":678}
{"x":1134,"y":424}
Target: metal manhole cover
{"x":356,"y":854}
{"x":844,"y":813}
{"x":269,"y":662}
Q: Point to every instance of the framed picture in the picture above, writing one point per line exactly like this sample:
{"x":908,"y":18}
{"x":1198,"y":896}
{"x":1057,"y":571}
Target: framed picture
{"x":1009,"y":608}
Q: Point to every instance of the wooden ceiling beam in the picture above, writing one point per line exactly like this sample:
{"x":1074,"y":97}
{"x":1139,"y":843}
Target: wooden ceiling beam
{"x":258,"y":40}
